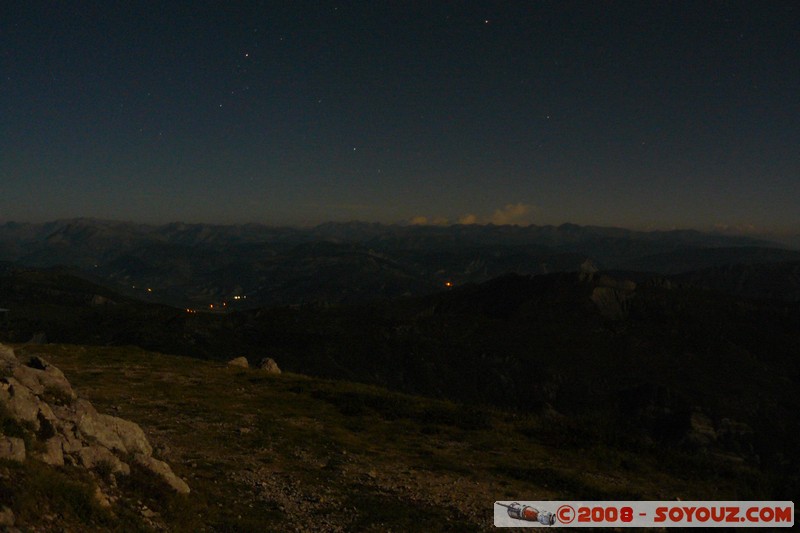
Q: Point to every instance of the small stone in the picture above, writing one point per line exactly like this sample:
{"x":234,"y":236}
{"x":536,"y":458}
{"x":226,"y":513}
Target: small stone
{"x":163,"y":470}
{"x":240,"y":362}
{"x":269,"y":365}
{"x":6,"y":517}
{"x":101,"y":498}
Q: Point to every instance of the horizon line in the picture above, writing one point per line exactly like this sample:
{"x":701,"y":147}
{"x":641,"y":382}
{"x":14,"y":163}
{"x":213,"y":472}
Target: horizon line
{"x":408,"y":223}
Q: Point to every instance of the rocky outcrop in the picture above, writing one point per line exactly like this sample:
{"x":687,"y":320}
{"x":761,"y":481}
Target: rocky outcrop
{"x":612,"y":297}
{"x":701,"y":431}
{"x":268,"y":364}
{"x":612,"y":303}
{"x":239,"y":361}
{"x":37,"y":401}
{"x":40,"y":376}
{"x":587,"y":270}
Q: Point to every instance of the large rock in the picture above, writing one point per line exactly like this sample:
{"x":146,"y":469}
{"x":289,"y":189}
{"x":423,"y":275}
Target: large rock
{"x":93,"y":426}
{"x":239,"y":361}
{"x":268,"y":364}
{"x":163,"y":470}
{"x":12,"y":448}
{"x":130,"y":433}
{"x":115,"y":433}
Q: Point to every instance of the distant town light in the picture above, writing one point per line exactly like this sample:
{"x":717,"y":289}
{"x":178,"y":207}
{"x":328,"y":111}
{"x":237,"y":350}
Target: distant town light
{"x":149,"y":289}
{"x":448,"y":284}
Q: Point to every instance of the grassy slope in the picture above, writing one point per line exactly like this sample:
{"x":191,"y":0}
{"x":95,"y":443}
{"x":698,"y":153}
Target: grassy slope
{"x":264,"y":452}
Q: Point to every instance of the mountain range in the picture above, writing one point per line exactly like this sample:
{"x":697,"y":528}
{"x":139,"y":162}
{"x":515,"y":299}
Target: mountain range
{"x":250,"y":266}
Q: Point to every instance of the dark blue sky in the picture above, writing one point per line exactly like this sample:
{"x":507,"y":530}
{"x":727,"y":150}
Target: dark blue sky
{"x":637,"y":114}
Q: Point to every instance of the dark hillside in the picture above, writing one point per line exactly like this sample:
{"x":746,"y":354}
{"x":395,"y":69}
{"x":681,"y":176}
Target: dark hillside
{"x":647,"y":364}
{"x":266,"y":452}
{"x":688,"y":259}
{"x":776,"y":281}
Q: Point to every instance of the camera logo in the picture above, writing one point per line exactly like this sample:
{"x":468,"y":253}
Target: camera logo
{"x":518,"y":511}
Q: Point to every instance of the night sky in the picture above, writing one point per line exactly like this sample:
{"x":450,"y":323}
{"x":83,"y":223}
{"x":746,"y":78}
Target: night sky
{"x":637,"y":114}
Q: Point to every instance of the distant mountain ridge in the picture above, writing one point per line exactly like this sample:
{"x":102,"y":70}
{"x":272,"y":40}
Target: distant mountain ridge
{"x":70,"y":231}
{"x":192,"y":265}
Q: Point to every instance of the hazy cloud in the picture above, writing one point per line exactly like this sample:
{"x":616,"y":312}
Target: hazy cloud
{"x":357,"y":207}
{"x":518,"y":213}
{"x":736,"y":228}
{"x":512,"y":214}
{"x":425,"y":221}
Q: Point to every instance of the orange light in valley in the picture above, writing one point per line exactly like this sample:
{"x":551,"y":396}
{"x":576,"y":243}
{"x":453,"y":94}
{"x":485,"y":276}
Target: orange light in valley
{"x":211,"y":306}
{"x":448,"y":284}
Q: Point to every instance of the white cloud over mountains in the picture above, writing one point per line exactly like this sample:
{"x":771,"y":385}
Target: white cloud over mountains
{"x":512,"y":214}
{"x":519,"y":213}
